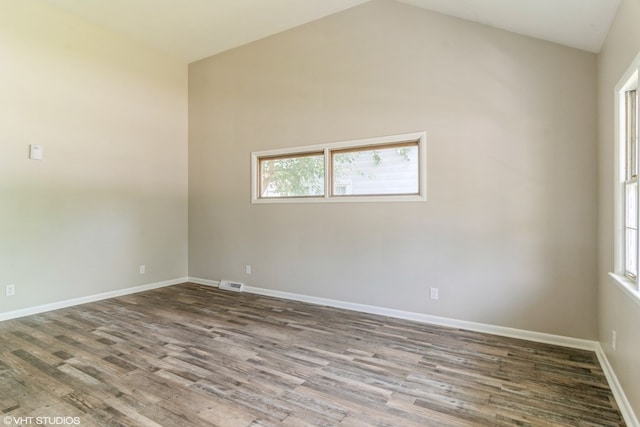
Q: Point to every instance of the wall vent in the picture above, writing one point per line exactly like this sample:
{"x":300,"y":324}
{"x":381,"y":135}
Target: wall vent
{"x":231,"y":286}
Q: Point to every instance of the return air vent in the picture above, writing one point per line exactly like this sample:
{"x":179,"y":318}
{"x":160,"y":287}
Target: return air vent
{"x":231,"y":286}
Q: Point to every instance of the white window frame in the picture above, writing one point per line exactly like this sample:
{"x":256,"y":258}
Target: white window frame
{"x":629,"y":81}
{"x":419,"y":137}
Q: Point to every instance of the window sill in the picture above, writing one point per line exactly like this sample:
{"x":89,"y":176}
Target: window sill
{"x":627,"y":286}
{"x":342,"y":199}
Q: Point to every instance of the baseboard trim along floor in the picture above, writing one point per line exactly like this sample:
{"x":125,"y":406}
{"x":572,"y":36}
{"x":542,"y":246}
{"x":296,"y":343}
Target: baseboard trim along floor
{"x":616,"y":388}
{"x":418,"y":317}
{"x":91,"y":298}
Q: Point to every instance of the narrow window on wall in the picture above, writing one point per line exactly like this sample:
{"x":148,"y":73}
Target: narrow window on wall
{"x":629,"y":138}
{"x":391,"y":168}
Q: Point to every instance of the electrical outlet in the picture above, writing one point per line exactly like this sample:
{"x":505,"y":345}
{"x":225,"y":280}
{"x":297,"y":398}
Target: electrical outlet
{"x":613,"y":340}
{"x":247,"y":269}
{"x":434,"y":293}
{"x":143,"y":269}
{"x":10,"y":290}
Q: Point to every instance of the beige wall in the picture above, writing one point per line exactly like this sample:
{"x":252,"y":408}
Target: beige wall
{"x":508,"y":231}
{"x":617,"y":310}
{"x":111,"y":192}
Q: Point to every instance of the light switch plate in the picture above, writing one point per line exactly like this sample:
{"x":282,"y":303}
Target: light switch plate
{"x":35,"y":152}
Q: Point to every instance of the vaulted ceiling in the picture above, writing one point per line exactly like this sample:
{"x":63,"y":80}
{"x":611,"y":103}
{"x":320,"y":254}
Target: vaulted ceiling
{"x":194,"y":29}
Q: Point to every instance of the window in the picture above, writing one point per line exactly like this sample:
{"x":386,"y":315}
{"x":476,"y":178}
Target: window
{"x":300,"y":175}
{"x":630,"y":184}
{"x":627,"y":193}
{"x":389,"y":168}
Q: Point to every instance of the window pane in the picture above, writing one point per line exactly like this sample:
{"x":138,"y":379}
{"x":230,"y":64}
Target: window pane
{"x":631,"y":134}
{"x":295,"y":176}
{"x":376,"y":171}
{"x":631,"y":228}
{"x":631,"y":204}
{"x":631,"y":252}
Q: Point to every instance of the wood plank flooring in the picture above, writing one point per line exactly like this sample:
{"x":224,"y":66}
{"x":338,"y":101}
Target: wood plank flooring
{"x":191,"y":355}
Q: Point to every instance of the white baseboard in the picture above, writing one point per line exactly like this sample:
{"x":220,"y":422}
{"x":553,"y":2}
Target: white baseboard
{"x":418,"y":317}
{"x":91,"y":298}
{"x":206,"y":282}
{"x":618,"y":393}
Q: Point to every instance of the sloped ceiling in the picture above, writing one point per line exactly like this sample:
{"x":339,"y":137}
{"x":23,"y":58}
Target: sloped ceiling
{"x":582,"y":24}
{"x":194,"y":29}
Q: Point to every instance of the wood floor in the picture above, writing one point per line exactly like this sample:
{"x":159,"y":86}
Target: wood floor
{"x":190,"y":355}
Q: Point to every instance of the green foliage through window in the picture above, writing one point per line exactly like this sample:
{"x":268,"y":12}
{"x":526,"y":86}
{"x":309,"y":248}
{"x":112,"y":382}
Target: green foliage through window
{"x":293,"y":176}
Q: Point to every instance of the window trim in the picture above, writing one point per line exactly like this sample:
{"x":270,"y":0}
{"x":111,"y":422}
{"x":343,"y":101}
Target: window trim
{"x":629,"y":81}
{"x":385,"y":141}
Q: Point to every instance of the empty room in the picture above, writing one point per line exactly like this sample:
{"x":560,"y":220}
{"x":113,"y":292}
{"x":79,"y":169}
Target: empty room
{"x":319,"y":213}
